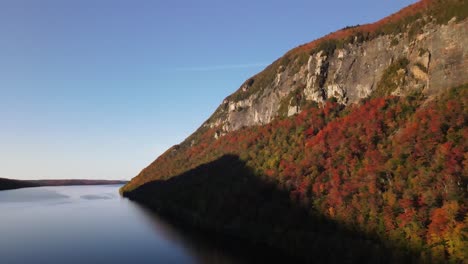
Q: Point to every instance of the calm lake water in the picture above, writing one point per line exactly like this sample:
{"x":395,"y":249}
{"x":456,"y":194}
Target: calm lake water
{"x":91,"y":224}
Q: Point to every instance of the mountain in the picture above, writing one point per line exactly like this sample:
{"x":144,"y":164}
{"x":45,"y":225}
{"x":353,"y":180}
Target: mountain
{"x":8,"y":184}
{"x":355,"y":143}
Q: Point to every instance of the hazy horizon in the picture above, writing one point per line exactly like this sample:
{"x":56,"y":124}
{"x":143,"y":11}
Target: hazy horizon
{"x":99,"y":89}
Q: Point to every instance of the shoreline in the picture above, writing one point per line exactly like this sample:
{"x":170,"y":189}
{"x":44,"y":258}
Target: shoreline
{"x":12,"y":184}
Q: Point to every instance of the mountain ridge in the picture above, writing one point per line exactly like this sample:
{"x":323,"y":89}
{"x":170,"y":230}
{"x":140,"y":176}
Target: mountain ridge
{"x":230,"y":116}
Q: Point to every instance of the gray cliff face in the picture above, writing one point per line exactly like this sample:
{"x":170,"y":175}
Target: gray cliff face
{"x":437,"y":59}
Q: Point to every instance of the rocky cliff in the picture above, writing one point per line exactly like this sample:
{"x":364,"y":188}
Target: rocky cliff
{"x":423,"y":55}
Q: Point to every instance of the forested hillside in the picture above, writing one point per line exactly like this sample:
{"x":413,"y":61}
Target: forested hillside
{"x":352,"y":148}
{"x":392,"y":170}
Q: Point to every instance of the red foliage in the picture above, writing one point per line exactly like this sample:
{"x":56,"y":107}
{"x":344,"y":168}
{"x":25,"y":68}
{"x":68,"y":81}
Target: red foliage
{"x":439,"y":221}
{"x":367,"y":28}
{"x":385,"y":166}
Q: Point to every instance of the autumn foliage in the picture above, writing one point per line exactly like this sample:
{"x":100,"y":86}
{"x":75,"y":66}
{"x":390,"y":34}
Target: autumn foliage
{"x":392,"y":168}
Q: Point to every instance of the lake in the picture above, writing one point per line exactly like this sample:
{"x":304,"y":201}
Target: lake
{"x":92,"y":224}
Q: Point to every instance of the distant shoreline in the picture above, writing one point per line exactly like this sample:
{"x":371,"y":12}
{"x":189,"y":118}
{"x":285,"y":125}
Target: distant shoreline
{"x":10,"y":184}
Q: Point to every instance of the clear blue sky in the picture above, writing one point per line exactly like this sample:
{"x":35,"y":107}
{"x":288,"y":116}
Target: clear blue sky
{"x":99,"y":88}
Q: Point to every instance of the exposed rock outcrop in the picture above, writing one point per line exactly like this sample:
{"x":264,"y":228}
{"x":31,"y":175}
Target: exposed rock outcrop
{"x":437,"y":59}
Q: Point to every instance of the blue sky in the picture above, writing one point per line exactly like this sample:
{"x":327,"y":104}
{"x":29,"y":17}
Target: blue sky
{"x":99,"y":88}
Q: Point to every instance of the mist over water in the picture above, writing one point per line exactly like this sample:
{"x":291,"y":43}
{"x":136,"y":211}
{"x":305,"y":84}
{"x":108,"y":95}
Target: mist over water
{"x":90,"y":224}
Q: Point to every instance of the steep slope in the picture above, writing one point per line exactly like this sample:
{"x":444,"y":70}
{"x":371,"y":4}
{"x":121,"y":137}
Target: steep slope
{"x":388,"y":175}
{"x":355,"y":142}
{"x":352,"y":63}
{"x":422,"y":48}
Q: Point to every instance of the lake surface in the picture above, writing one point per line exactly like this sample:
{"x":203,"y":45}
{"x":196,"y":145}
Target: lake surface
{"x":91,"y":224}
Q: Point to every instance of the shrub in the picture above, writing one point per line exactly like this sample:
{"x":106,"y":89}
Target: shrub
{"x":390,"y":79}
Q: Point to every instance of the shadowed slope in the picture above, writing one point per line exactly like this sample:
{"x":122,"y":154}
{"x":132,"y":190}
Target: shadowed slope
{"x":392,"y":168}
{"x":225,"y":196}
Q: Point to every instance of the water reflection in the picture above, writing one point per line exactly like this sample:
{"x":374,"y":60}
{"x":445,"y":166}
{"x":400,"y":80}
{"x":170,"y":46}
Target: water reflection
{"x":93,"y":224}
{"x":30,"y":195}
{"x":96,"y":197}
{"x":200,"y":248}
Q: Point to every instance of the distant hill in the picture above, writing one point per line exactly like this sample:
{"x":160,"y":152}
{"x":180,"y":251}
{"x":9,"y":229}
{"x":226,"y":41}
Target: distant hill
{"x":66,"y":182}
{"x":8,"y":184}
